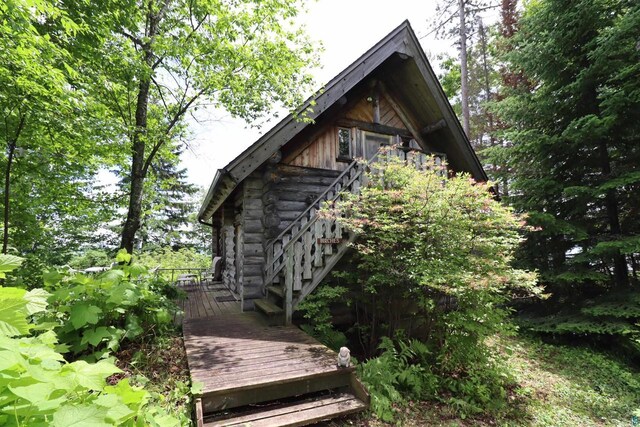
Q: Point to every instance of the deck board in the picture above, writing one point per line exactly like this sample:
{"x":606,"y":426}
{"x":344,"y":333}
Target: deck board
{"x":239,"y":350}
{"x":240,"y":359}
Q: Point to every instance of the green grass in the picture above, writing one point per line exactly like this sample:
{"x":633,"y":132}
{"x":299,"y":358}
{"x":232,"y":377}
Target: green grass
{"x":570,"y":386}
{"x":555,"y":385}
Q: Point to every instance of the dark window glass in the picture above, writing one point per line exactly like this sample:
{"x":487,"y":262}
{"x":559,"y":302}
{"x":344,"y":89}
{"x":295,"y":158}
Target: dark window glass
{"x":344,"y":142}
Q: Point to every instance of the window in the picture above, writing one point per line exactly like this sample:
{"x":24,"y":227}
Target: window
{"x":344,"y":143}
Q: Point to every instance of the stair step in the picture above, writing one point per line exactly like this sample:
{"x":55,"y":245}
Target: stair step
{"x":274,"y":385}
{"x":276,"y":290}
{"x":268,"y":308}
{"x":302,"y":412}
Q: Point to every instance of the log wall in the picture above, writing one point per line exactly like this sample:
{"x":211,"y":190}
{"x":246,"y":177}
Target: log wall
{"x":252,"y":250}
{"x":291,"y":190}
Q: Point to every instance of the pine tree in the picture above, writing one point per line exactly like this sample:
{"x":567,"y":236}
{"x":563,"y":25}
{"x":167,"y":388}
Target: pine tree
{"x":572,"y":109}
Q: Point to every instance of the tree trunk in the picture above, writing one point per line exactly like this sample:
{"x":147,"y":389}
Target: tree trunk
{"x":620,"y":268}
{"x":7,"y":186}
{"x":11,"y":149}
{"x":138,"y":169}
{"x":134,"y":212}
{"x":464,"y":79}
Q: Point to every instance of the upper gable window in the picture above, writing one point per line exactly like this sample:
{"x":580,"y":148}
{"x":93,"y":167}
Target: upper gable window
{"x":344,"y":143}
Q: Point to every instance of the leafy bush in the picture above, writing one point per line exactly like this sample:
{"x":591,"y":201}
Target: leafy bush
{"x":401,"y":371}
{"x":433,"y":258}
{"x":92,"y":315}
{"x":168,"y":258}
{"x":315,"y":309}
{"x":39,"y":388}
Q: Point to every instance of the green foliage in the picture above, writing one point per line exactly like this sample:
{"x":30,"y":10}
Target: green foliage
{"x":569,"y":385}
{"x":574,"y":158}
{"x":95,"y":314}
{"x":38,"y":387}
{"x":613,"y":317}
{"x":401,"y":372}
{"x":316,"y":310}
{"x":90,"y":258}
{"x":433,"y":258}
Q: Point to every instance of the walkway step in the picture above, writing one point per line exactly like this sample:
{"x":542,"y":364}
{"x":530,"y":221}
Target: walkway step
{"x":276,"y":290}
{"x":274,"y":314}
{"x":297,"y":413}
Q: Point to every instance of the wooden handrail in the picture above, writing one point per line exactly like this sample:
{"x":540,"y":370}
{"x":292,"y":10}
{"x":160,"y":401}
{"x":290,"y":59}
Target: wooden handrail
{"x":316,"y":201}
{"x":270,"y":271}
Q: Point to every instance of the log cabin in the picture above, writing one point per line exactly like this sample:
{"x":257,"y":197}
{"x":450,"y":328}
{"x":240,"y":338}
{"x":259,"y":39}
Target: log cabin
{"x":262,"y":206}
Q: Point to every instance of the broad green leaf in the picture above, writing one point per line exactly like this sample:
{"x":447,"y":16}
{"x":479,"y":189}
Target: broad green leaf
{"x":36,"y":300}
{"x":81,"y":416}
{"x":34,"y":393}
{"x":117,"y":412}
{"x":130,"y":395}
{"x":8,"y":263}
{"x":123,"y":257}
{"x":13,"y":312}
{"x":51,"y":277}
{"x":83,"y":314}
{"x":96,"y":336}
{"x":10,"y":361}
{"x":91,"y":376}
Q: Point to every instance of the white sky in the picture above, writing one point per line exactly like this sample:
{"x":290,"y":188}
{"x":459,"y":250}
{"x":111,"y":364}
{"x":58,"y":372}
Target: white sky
{"x":346,"y":28}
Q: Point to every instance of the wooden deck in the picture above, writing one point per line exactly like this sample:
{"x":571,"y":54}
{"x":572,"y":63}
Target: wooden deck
{"x":242,"y":361}
{"x":208,"y":300}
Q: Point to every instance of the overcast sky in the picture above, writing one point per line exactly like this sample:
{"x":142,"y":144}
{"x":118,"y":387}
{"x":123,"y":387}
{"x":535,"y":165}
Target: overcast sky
{"x":346,"y":28}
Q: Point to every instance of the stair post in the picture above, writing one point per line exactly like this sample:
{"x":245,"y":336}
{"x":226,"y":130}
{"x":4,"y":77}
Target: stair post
{"x":288,"y":283}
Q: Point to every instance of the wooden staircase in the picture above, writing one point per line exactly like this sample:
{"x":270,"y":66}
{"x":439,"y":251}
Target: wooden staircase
{"x":306,"y":251}
{"x":259,"y":375}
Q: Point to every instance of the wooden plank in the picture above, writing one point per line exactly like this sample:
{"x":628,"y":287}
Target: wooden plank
{"x":221,"y":385}
{"x":230,"y":374}
{"x":299,"y":410}
{"x":271,"y":392}
{"x":199,"y":415}
{"x":306,"y":256}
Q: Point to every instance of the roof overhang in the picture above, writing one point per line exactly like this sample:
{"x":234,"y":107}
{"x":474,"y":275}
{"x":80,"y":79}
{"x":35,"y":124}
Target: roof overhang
{"x":402,"y":41}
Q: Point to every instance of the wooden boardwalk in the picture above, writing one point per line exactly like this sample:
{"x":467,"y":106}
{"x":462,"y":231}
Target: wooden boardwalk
{"x":242,"y":361}
{"x":208,"y":300}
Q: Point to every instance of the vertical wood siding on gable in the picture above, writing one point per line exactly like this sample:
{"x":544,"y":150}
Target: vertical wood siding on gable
{"x":322,"y":152}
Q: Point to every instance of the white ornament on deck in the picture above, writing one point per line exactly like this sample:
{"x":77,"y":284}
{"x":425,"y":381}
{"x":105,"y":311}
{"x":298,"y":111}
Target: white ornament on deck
{"x":344,"y":358}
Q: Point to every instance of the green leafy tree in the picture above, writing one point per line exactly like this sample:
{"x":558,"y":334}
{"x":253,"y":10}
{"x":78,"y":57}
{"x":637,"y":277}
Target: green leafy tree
{"x":153,"y":62}
{"x":38,"y":387}
{"x":53,"y":146}
{"x":575,"y":132}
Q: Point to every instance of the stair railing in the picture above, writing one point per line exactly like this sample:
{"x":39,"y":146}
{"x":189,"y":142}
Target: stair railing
{"x":300,"y":248}
{"x":276,"y":249}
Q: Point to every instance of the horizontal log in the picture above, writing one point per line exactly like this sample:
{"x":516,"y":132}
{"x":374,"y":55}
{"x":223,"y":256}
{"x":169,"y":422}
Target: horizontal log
{"x":307,"y":188}
{"x":253,"y":238}
{"x":253,"y":260}
{"x":308,"y":180}
{"x":284,"y":170}
{"x":253,"y":270}
{"x":286,"y":206}
{"x":252,"y":226}
{"x":252,"y":249}
{"x":299,"y":196}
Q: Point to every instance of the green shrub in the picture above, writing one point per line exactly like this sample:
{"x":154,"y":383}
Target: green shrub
{"x":400,"y":372}
{"x":39,"y":388}
{"x":92,"y":315}
{"x":433,"y":258}
{"x":315,"y":309}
